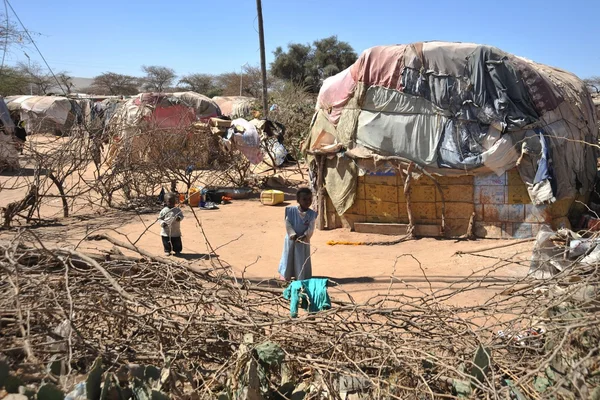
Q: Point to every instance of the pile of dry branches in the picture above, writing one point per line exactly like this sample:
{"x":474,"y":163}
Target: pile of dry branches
{"x":63,"y":305}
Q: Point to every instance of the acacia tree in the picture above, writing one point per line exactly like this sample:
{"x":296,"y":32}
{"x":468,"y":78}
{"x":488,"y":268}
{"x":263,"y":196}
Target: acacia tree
{"x":205,"y":84}
{"x":250,"y":81}
{"x":309,"y":65}
{"x":158,"y":78}
{"x":110,"y":83}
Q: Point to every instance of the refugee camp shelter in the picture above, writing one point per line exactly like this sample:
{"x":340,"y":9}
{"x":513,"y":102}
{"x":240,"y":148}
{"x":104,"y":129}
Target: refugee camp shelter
{"x":235,"y":106}
{"x":205,"y":107}
{"x":152,"y":127}
{"x":51,"y":114}
{"x":9,"y":155}
{"x":479,"y":131}
{"x":41,"y":114}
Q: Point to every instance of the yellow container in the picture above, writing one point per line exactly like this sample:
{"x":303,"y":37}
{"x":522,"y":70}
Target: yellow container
{"x":194,"y":197}
{"x":271,"y":197}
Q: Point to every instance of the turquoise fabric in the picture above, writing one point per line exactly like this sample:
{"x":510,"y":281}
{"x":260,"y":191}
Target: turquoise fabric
{"x":308,"y":294}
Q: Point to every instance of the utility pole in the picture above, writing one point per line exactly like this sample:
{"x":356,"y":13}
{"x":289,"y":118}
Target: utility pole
{"x":263,"y":66}
{"x":241,"y":77}
{"x":29,"y":67}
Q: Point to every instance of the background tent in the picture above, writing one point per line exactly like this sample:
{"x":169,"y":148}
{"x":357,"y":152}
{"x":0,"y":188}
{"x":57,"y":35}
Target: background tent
{"x":159,"y":127}
{"x":42,"y":114}
{"x":235,"y":106}
{"x":205,"y":107}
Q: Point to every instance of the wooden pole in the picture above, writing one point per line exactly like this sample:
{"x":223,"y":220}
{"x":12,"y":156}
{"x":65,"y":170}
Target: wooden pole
{"x":407,"y":192}
{"x":321,"y":191}
{"x":263,"y":64}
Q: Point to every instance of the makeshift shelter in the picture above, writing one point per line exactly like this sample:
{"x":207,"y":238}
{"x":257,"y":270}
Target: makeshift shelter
{"x":465,"y":113}
{"x":43,"y":114}
{"x":150,"y":125}
{"x":235,"y":106}
{"x":205,"y":107}
{"x":9,"y":155}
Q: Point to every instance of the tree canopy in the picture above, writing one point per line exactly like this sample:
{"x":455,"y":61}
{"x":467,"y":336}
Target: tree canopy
{"x":205,"y":84}
{"x":158,"y":78}
{"x":110,"y":83}
{"x":310,"y":65}
{"x":246,"y":83}
{"x":13,"y":81}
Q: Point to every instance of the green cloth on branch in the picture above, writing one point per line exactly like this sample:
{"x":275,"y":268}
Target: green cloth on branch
{"x":309,"y":294}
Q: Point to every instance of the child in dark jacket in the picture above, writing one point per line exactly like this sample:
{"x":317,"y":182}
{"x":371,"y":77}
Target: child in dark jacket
{"x":170,"y":218}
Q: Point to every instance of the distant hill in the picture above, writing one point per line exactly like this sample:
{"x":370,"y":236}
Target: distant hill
{"x":81,"y":83}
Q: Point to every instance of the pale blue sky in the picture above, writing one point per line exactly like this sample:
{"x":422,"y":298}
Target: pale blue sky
{"x":88,"y":37}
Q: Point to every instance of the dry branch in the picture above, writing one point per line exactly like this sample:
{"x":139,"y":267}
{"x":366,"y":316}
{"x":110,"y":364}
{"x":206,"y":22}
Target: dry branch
{"x":404,"y":345}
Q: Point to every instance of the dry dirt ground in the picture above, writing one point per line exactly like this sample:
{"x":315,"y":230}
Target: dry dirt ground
{"x":248,"y":236}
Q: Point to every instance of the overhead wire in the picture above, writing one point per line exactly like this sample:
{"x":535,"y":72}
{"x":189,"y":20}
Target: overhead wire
{"x":35,"y":45}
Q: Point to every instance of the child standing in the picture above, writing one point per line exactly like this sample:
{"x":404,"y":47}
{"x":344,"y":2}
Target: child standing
{"x":299,"y":225}
{"x":170,"y":231}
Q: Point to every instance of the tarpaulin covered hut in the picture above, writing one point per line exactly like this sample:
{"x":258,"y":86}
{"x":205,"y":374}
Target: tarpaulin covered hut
{"x":150,"y":125}
{"x":512,"y":142}
{"x":235,"y":106}
{"x":204,"y":106}
{"x":43,"y":114}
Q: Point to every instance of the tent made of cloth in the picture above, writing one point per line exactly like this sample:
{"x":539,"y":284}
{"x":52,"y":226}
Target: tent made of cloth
{"x":204,"y":107}
{"x":234,"y":106}
{"x":148,"y":117}
{"x":457,"y":107}
{"x":37,"y":109}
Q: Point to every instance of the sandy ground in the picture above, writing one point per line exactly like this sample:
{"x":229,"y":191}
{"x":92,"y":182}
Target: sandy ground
{"x":249,"y":236}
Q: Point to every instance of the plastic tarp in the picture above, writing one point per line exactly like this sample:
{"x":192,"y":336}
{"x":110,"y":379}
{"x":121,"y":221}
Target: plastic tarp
{"x":395,"y":123}
{"x":53,"y":108}
{"x":234,"y":106}
{"x":205,"y":107}
{"x":335,"y":93}
{"x":248,"y":142}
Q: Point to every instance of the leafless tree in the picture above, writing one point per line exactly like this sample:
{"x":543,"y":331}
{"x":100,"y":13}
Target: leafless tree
{"x":66,"y":81}
{"x":158,"y":78}
{"x":41,"y":79}
{"x":12,"y":34}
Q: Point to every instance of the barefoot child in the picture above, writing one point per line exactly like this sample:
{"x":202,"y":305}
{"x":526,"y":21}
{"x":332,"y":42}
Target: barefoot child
{"x":170,"y":218}
{"x":300,"y":225}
